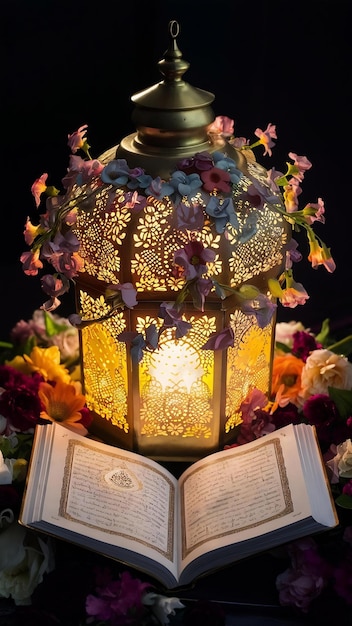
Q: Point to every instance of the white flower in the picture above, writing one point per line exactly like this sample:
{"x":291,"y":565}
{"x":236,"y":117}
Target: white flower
{"x":162,"y":606}
{"x":68,"y":343}
{"x":6,"y":518}
{"x":324,"y":369}
{"x":341,"y":464}
{"x":5,"y":471}
{"x":24,"y":559}
{"x":284,"y":332}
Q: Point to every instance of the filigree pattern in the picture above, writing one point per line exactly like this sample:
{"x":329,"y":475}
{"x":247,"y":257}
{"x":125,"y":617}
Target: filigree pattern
{"x":173,"y":404}
{"x":104,"y":362}
{"x":248,"y":364}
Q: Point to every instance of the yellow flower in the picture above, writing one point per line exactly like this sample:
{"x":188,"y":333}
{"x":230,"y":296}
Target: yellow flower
{"x":45,"y":361}
{"x":62,"y":404}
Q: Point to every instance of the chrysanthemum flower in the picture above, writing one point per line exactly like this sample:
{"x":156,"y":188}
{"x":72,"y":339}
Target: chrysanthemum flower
{"x":45,"y":361}
{"x":63,"y":404}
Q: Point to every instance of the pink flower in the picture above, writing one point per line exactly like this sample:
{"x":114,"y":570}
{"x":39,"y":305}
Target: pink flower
{"x":291,"y":193}
{"x":320,"y":255}
{"x":30,"y":232}
{"x":222,"y":125}
{"x":38,"y":188}
{"x":314,"y":212}
{"x":300,"y":166}
{"x":77,"y":140}
{"x":265,"y":138}
{"x":31,"y":263}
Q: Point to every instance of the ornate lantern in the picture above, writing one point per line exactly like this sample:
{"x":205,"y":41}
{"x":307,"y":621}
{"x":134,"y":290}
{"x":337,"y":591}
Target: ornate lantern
{"x":199,"y":258}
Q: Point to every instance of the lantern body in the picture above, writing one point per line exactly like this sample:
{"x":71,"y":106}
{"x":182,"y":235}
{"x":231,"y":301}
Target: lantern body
{"x":177,"y":401}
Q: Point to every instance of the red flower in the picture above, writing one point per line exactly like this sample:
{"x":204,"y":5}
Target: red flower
{"x":19,"y":402}
{"x":216,"y":179}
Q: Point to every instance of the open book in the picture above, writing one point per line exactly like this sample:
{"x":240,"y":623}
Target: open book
{"x":225,"y":507}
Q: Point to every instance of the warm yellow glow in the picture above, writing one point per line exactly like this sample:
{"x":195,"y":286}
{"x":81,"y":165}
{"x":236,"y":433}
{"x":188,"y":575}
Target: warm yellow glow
{"x":176,"y":365}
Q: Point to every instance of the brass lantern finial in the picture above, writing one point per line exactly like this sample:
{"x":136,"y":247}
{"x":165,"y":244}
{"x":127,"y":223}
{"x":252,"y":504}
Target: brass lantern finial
{"x":173,"y":66}
{"x":171,"y":117}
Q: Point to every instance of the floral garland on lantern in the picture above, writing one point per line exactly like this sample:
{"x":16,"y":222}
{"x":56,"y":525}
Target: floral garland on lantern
{"x":215,"y":177}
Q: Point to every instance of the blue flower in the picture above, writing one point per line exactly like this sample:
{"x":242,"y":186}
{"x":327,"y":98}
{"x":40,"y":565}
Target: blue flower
{"x":222,"y":212}
{"x":116,"y":173}
{"x":183,"y":185}
{"x":225,"y":163}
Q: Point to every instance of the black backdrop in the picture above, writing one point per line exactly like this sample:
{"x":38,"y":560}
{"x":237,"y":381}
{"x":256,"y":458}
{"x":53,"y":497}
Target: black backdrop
{"x":67,"y":63}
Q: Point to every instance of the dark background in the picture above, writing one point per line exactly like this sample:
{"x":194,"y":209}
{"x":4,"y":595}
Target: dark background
{"x":64,"y":64}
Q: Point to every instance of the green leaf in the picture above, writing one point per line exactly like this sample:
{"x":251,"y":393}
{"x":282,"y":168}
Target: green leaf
{"x":282,"y":346}
{"x":282,"y":181}
{"x":275,"y":288}
{"x":344,"y":346}
{"x":344,"y":501}
{"x":343,"y":400}
{"x":53,"y":328}
{"x":6,"y":344}
{"x":323,"y":335}
{"x":248,"y":292}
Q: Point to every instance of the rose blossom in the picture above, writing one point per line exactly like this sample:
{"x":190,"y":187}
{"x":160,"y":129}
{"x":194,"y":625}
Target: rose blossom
{"x":24,"y":559}
{"x":324,"y":369}
{"x":284,"y":332}
{"x":341,"y":464}
{"x":304,"y":344}
{"x":305,"y":580}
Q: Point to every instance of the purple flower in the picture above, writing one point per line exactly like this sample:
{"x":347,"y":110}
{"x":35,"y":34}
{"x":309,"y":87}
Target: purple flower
{"x":193,"y":258}
{"x":125,"y":290}
{"x":261,"y":307}
{"x":61,"y":243}
{"x":199,"y":289}
{"x":54,"y":285}
{"x":172,"y":319}
{"x":200,"y":162}
{"x":117,"y":601}
{"x":285,"y":415}
{"x":220,"y":341}
{"x":343,"y":577}
{"x":306,"y":578}
{"x":138,"y":343}
{"x":189,"y":217}
{"x":159,"y":189}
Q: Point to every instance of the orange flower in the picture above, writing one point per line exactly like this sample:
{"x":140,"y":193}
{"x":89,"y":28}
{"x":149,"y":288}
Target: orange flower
{"x":63,"y":404}
{"x":286,"y":378}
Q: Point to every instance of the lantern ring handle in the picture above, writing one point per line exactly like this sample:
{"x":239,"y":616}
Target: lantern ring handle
{"x":174,"y":28}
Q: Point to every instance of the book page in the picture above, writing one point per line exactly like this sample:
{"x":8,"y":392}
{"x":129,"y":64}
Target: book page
{"x":241,"y":493}
{"x":111,"y":495}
